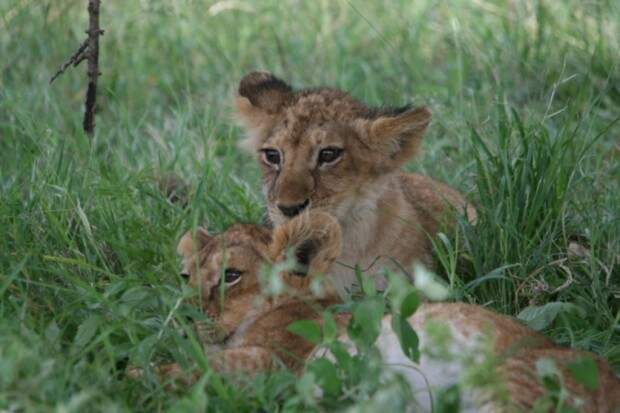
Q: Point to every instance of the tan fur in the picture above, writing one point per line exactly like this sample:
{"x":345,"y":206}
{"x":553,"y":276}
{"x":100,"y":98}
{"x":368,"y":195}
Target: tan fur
{"x":519,"y":349}
{"x":384,"y":213}
{"x":319,"y":232}
{"x":253,"y":336}
{"x":252,"y":326}
{"x":524,"y":388}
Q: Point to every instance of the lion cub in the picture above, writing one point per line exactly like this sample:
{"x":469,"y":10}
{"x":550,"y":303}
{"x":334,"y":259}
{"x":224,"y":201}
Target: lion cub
{"x":252,"y":336}
{"x":250,"y":327}
{"x":321,"y":149}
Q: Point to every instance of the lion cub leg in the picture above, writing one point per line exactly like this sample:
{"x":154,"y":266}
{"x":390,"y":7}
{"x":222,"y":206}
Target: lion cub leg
{"x":249,"y":359}
{"x":172,"y":371}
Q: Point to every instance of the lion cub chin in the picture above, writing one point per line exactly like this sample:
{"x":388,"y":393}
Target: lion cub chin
{"x":251,"y":333}
{"x":320,"y":149}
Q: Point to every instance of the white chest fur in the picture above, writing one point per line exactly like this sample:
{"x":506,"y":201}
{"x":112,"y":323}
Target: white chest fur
{"x":432,"y":373}
{"x":359,"y":219}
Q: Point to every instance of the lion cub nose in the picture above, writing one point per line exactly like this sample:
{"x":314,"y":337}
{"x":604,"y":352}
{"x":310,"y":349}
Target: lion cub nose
{"x":292,"y":210}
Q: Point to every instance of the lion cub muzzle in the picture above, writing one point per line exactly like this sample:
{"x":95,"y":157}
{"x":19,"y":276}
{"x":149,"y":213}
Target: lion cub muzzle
{"x":292,"y":210}
{"x":293,"y":190}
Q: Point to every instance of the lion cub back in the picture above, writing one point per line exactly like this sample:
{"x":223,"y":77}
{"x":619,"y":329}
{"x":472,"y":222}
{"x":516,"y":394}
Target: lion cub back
{"x":482,"y":338}
{"x":493,"y":358}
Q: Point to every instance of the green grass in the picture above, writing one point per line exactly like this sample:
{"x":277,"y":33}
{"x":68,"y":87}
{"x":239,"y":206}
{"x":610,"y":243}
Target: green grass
{"x":525,"y":97}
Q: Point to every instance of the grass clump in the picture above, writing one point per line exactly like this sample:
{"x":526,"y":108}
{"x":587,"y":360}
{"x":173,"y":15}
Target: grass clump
{"x":525,"y":98}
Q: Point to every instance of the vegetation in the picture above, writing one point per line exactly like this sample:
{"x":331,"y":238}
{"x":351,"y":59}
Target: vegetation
{"x":526,"y":104}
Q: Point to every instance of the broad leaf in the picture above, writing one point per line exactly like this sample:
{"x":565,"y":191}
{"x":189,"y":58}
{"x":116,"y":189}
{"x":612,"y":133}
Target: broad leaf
{"x":365,"y":325}
{"x":330,"y":330}
{"x":448,"y":400}
{"x":87,"y":330}
{"x":409,"y":341}
{"x":326,"y":376}
{"x":342,"y":356}
{"x":368,"y":286}
{"x":306,"y":329}
{"x":585,"y":371}
{"x":410,"y":304}
{"x":541,"y":317}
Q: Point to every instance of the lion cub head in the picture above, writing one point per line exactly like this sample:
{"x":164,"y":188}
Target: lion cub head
{"x":320,"y":148}
{"x":225,"y":268}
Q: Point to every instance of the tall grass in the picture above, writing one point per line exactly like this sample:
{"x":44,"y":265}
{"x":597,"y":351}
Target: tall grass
{"x":525,"y":97}
{"x":527,"y":247}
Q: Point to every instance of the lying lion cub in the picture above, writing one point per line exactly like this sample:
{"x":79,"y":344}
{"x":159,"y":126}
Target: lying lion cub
{"x":322,"y":149}
{"x":252,"y":329}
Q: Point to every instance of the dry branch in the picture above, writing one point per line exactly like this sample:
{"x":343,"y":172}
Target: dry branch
{"x":74,"y":60}
{"x":88,"y":50}
{"x":93,"y":66}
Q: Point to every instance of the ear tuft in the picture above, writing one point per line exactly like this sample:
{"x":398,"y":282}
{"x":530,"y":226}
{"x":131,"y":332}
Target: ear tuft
{"x":186,"y":246}
{"x":399,"y":134}
{"x":374,"y":113}
{"x":261,"y":97}
{"x":265,"y":91}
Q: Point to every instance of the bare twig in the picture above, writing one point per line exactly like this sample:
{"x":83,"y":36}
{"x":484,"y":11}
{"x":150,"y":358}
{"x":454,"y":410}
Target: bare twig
{"x":93,"y":66}
{"x":74,"y":60}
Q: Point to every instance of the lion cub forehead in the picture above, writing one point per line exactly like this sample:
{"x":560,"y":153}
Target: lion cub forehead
{"x":309,"y":134}
{"x":320,"y":116}
{"x":245,"y":236}
{"x":324,"y":105}
{"x":239,"y":245}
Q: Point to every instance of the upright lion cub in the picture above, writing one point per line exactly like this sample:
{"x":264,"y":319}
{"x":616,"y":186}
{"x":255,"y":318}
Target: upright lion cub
{"x":321,"y":149}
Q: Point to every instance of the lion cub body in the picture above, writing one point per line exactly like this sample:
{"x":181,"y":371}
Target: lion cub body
{"x":252,"y":333}
{"x":321,"y":149}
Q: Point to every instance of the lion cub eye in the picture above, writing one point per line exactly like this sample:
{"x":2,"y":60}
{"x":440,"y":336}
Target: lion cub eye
{"x":232,"y":275}
{"x":329,"y":155}
{"x":271,"y":156}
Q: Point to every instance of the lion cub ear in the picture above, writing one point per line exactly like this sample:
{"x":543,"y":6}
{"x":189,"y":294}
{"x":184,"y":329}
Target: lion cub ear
{"x":398,"y":136}
{"x":189,"y":243}
{"x":260,"y":99}
{"x":315,"y":238}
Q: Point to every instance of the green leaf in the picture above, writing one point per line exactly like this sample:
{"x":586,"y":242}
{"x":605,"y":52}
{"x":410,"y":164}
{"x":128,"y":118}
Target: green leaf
{"x":330,"y":330}
{"x":195,"y":401}
{"x":496,"y":274}
{"x":409,"y":341}
{"x":548,"y":373}
{"x":541,"y":317}
{"x":307,"y":329}
{"x":368,"y":286}
{"x":135,"y":294}
{"x":546,"y":367}
{"x":342,"y":356}
{"x":144,"y":349}
{"x":305,"y":387}
{"x":448,"y":400}
{"x":585,"y":371}
{"x":410,"y":304}
{"x":399,"y":287}
{"x":326,"y":376}
{"x":365,"y":324}
{"x":87,"y":330}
